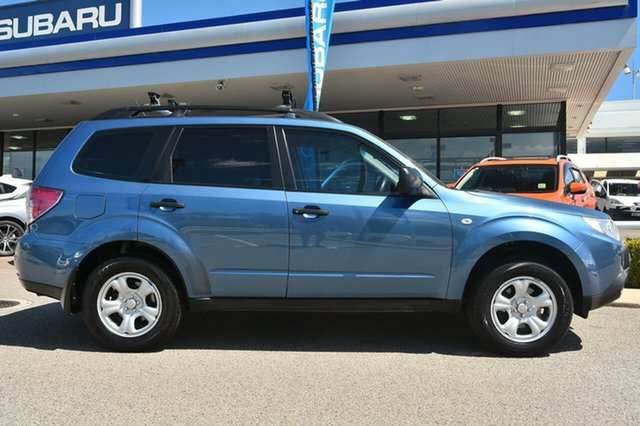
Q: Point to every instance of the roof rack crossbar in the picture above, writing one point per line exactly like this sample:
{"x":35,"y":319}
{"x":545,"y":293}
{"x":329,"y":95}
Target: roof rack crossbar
{"x":185,"y":110}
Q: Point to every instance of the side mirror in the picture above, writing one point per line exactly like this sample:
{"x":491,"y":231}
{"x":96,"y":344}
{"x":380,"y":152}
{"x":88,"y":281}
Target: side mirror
{"x":600,"y":194}
{"x":451,"y":185}
{"x":410,"y":182}
{"x":578,"y":188}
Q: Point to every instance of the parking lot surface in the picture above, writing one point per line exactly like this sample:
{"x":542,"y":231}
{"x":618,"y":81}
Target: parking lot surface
{"x":307,"y":368}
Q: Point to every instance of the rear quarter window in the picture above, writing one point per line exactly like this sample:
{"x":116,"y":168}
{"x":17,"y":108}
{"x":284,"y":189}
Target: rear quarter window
{"x":123,"y":154}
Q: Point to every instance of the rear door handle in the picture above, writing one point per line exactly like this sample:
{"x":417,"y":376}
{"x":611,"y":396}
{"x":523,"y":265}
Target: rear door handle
{"x":167,"y":204}
{"x":311,"y":212}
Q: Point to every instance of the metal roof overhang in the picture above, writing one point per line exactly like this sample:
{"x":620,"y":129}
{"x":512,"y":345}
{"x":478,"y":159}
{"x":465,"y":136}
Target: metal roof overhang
{"x":419,"y":54}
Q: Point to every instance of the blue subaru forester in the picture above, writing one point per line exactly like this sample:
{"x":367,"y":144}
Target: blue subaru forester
{"x":146,"y":212}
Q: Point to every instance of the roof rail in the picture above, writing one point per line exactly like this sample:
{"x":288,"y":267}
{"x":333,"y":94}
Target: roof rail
{"x":486,"y":160}
{"x":189,"y":110}
{"x":563,"y":157}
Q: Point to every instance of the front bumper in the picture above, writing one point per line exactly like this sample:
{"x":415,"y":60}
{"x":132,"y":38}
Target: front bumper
{"x":607,"y":262}
{"x":625,"y":212}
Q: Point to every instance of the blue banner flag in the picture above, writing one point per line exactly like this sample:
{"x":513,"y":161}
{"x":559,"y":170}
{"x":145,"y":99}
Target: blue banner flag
{"x":319,"y":15}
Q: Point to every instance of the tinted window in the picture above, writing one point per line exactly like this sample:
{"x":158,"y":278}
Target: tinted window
{"x":124,"y":154}
{"x":237,"y":157}
{"x":6,"y":188}
{"x":623,"y":189}
{"x":517,"y":178}
{"x":332,"y":162}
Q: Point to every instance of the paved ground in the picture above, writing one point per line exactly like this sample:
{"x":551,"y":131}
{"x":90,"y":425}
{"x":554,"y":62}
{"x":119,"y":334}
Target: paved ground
{"x":243,"y":368}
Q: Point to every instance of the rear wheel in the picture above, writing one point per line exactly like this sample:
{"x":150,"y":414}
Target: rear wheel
{"x":130,"y":304}
{"x":521,"y":309}
{"x":10,"y":231}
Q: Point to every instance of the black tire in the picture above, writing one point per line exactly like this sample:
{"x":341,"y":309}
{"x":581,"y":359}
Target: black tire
{"x":512,"y":303}
{"x":10,"y":231}
{"x":144,"y":304}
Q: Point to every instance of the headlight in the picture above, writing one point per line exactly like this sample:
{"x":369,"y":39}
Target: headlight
{"x":604,"y":226}
{"x":615,"y":202}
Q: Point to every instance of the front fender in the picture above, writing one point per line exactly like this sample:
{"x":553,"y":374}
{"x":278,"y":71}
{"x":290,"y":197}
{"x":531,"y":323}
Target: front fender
{"x":472,"y":243}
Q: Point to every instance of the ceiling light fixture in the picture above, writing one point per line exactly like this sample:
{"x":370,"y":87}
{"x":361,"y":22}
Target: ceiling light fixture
{"x":410,"y":78}
{"x":19,"y":137}
{"x":15,"y":115}
{"x":563,"y":67}
{"x":517,"y":126}
{"x":407,"y":117}
{"x":516,"y":113}
{"x":560,"y":90}
{"x":417,"y":88}
{"x":279,"y":87}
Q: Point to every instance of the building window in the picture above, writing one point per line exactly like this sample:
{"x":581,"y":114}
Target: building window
{"x":447,"y":140}
{"x":623,"y":144}
{"x":460,"y":153}
{"x":541,"y":144}
{"x":46,"y":142}
{"x":596,"y":145}
{"x":366,"y":120}
{"x":18,"y":154}
{"x":423,"y":150}
{"x":465,"y":121}
{"x":414,"y":123}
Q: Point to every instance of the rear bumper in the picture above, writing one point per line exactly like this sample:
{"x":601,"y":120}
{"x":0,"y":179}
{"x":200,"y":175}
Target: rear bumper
{"x":42,"y":289}
{"x":47,"y":268}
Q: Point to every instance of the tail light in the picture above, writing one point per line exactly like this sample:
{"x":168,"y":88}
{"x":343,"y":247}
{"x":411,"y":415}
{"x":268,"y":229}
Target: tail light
{"x":41,"y":200}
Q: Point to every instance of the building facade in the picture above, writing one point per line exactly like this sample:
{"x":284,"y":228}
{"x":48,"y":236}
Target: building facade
{"x":448,"y":81}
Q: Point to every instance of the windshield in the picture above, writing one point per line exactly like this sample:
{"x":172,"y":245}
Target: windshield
{"x":512,"y":178}
{"x":623,"y":189}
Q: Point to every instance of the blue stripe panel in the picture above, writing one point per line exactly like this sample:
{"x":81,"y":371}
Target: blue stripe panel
{"x":494,"y":24}
{"x":207,"y":23}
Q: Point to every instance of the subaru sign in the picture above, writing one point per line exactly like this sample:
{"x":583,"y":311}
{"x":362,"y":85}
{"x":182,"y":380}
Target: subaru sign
{"x":35,"y":21}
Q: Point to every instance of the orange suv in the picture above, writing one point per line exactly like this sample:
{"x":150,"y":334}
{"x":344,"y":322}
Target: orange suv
{"x":554,"y":179}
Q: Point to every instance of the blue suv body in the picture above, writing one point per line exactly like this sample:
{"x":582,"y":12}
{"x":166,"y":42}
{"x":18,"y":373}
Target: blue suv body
{"x":135,"y":220}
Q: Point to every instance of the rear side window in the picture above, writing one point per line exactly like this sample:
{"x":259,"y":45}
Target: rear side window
{"x":223,"y":156}
{"x":123,"y":154}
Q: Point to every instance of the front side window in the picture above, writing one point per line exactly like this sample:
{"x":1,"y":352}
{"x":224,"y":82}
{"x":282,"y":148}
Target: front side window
{"x":338,"y":163}
{"x":513,"y":178}
{"x":223,"y":156}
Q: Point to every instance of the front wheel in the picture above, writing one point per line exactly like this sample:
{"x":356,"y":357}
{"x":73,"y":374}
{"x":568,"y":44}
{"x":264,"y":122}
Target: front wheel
{"x":130,"y":304}
{"x":521,"y":309}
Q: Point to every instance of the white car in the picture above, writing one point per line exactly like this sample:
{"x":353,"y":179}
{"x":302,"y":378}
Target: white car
{"x":13,"y":212}
{"x":618,"y":197}
{"x":11,"y":187}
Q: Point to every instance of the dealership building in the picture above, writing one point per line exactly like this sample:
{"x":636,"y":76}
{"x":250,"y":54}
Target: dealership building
{"x":448,"y":81}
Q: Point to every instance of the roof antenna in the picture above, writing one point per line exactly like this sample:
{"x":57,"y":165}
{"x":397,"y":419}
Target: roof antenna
{"x":288,"y":99}
{"x":154,"y":98}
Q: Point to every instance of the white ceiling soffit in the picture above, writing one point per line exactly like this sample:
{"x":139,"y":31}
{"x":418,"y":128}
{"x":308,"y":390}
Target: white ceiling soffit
{"x":350,"y":21}
{"x":486,"y":82}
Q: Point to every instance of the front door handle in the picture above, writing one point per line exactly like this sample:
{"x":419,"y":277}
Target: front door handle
{"x":167,"y":204}
{"x":311,"y":212}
